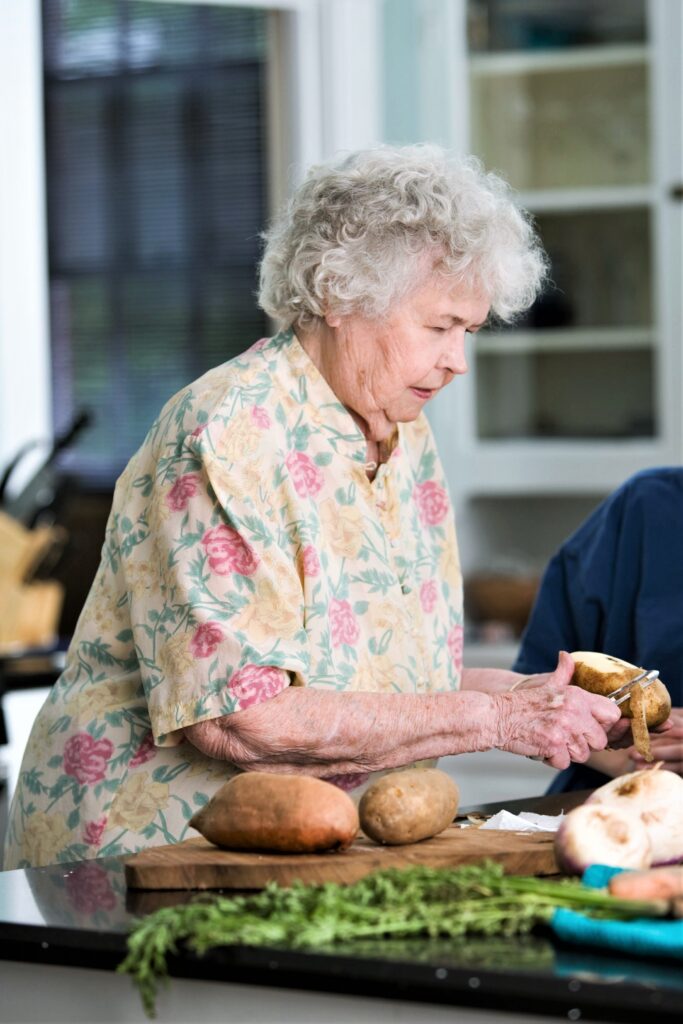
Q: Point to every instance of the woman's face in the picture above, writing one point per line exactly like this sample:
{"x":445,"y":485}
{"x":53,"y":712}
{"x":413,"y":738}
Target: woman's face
{"x":386,"y":371}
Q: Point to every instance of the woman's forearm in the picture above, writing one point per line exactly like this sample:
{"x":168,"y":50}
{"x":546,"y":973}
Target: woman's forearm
{"x":317,"y":732}
{"x":321,"y":733}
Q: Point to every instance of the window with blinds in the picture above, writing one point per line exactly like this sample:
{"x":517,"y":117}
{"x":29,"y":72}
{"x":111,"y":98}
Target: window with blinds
{"x":156,"y":195}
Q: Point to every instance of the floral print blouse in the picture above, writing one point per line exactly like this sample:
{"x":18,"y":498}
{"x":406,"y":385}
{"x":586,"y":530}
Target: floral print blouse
{"x":246,"y":551}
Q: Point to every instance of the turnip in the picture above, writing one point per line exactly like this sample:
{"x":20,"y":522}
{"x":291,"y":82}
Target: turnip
{"x":656,"y":797}
{"x":595,"y":834}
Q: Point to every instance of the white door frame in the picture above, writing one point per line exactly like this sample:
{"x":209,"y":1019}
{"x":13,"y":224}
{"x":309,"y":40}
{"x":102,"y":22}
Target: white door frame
{"x":25,"y":393}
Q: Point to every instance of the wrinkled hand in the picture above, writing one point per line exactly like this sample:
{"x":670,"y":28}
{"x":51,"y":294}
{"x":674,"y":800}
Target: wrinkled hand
{"x":666,"y":744}
{"x":546,"y":717}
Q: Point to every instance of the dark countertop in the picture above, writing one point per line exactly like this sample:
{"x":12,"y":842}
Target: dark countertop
{"x":79,"y":914}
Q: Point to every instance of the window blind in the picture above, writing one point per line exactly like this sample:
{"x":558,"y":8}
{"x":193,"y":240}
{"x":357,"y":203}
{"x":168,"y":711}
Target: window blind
{"x":156,"y":195}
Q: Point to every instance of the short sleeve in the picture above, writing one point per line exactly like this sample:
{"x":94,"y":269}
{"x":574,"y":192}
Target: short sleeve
{"x":216,"y":600}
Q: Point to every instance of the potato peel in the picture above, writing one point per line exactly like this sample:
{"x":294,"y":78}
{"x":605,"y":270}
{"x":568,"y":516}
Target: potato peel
{"x":638,"y":708}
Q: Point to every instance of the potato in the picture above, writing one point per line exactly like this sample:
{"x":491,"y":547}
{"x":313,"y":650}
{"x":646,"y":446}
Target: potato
{"x":601,"y":673}
{"x":286,"y":813}
{"x":408,"y":805}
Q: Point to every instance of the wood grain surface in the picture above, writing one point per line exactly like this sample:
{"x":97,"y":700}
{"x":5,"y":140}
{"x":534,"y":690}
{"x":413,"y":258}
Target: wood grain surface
{"x":197,"y":864}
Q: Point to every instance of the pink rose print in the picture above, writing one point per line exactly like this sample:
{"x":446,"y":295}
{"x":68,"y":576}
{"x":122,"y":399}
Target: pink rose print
{"x":206,"y":639}
{"x":255,"y":683}
{"x":454,"y":641}
{"x":89,"y":889}
{"x":92,"y":833}
{"x":260,"y":416}
{"x":258,"y":345}
{"x":311,"y":563}
{"x":183,"y":489}
{"x":228,"y":552}
{"x":347,"y":782}
{"x":198,"y":430}
{"x":307,"y":478}
{"x":145,"y":752}
{"x":428,"y":596}
{"x":432,"y":503}
{"x":343,"y":622}
{"x":86,"y":758}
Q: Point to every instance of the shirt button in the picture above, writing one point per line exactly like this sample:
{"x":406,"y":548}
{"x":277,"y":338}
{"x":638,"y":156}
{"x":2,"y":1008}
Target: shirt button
{"x":406,"y":588}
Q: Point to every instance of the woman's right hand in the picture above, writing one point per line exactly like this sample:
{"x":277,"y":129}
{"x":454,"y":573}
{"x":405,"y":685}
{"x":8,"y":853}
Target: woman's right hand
{"x":547,"y":718}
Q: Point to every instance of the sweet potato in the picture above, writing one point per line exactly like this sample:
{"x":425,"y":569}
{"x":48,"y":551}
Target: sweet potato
{"x":285,"y":813}
{"x":409,"y":805}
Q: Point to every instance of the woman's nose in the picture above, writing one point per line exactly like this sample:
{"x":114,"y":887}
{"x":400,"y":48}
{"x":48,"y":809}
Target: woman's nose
{"x":454,"y":357}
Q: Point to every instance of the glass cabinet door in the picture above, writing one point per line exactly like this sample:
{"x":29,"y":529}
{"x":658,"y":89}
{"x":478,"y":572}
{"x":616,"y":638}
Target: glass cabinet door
{"x":560,"y":106}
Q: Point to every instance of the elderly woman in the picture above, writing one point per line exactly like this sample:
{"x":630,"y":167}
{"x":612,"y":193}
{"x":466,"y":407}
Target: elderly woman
{"x":280,"y":587}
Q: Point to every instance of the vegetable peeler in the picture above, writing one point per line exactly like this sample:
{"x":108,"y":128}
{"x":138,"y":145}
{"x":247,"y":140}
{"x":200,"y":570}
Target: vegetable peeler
{"x":624,"y":692}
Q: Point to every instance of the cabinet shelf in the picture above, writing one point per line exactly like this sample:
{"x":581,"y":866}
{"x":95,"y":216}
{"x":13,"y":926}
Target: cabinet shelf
{"x":581,"y":58}
{"x":608,"y":197}
{"x":556,"y":467}
{"x":579,"y":339}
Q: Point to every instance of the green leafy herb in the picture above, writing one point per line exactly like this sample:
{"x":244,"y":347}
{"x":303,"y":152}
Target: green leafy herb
{"x":477,"y":899}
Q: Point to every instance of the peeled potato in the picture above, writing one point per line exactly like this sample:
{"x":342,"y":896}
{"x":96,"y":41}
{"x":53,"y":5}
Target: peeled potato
{"x":286,"y":813}
{"x":648,"y":706}
{"x":601,"y":673}
{"x":409,"y":805}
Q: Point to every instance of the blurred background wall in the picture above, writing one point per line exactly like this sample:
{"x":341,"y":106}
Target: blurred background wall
{"x":147,"y":142}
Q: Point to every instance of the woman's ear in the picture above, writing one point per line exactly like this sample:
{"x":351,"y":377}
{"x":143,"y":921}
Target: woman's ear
{"x":333,"y":319}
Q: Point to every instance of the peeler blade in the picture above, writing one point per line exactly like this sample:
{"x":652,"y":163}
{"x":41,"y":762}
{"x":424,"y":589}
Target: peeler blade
{"x":622,"y":694}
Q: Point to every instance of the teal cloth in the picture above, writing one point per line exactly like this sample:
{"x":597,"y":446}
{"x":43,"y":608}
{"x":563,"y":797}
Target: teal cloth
{"x":642,"y":937}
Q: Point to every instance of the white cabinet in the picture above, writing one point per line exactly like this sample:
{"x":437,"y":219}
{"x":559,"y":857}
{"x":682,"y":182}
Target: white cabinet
{"x":579,"y":105}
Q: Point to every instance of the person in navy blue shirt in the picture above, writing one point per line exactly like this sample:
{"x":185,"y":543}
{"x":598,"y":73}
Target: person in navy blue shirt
{"x":616,"y":586}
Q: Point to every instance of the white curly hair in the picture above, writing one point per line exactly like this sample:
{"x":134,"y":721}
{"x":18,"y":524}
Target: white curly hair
{"x":360,"y":233}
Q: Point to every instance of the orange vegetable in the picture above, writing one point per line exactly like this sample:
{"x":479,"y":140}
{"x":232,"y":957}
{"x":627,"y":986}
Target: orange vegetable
{"x":288,"y":813}
{"x":658,"y":883}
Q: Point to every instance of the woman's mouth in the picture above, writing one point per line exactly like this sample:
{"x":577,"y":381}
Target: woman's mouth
{"x":423,"y":393}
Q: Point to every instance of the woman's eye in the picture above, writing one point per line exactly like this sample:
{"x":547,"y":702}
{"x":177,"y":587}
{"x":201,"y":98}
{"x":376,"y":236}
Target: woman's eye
{"x":441,"y":330}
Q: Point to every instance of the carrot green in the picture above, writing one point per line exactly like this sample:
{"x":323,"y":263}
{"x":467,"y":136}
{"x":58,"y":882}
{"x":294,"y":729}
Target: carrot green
{"x":418,"y":901}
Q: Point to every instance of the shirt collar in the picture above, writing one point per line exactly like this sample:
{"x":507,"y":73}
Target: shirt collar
{"x":337,"y":424}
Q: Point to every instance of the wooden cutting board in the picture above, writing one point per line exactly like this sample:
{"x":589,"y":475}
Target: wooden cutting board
{"x":198,"y":864}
